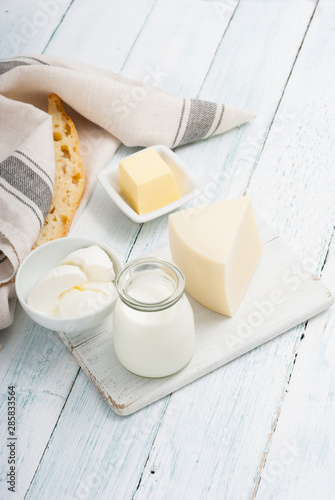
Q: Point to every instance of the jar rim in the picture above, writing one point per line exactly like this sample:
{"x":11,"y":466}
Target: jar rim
{"x":165,"y":269}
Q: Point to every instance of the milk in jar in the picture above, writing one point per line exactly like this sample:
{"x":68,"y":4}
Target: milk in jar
{"x":154,"y":333}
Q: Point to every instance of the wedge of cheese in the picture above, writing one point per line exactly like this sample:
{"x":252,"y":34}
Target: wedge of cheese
{"x":147,"y":181}
{"x":218,"y":249}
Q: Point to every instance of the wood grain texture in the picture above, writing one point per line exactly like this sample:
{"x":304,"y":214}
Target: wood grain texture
{"x":295,"y":173}
{"x":33,"y":360}
{"x":298,"y":464}
{"x":303,"y":164}
{"x":93,"y":451}
{"x":100,"y":36}
{"x":26,"y":27}
{"x":212,"y":438}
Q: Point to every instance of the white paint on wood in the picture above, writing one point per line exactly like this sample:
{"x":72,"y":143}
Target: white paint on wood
{"x":300,"y":461}
{"x":294,"y":180}
{"x":212,"y":441}
{"x":100,"y":35}
{"x":26,"y":27}
{"x":37,"y":364}
{"x":94,"y":453}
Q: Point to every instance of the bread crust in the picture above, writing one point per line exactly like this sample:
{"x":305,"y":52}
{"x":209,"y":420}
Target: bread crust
{"x":69,"y":175}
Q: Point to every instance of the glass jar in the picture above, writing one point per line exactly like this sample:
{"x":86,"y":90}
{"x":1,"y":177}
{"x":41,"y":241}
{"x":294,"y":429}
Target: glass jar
{"x":154,"y":333}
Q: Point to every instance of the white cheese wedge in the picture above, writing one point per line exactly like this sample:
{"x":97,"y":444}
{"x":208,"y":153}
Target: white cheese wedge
{"x":99,"y":286}
{"x":93,"y":261}
{"x":218,"y":248}
{"x":44,"y":295}
{"x":77,"y":303}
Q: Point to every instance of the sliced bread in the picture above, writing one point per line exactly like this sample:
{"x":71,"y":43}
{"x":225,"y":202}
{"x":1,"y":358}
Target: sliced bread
{"x":69,"y":175}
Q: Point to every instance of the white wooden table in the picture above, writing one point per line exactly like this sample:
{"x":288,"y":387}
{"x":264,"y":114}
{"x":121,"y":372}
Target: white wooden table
{"x":262,"y":426}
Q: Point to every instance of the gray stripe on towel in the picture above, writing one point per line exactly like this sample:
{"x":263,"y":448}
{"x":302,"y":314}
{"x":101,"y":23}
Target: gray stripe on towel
{"x":8,"y":65}
{"x":19,"y":175}
{"x":35,"y":59}
{"x":220,"y":119}
{"x":40,"y":221}
{"x":36,"y":165}
{"x":2,"y":256}
{"x":180,"y":122}
{"x":200,"y":120}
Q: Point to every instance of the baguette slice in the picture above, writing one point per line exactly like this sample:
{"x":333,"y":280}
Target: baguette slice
{"x":69,"y":175}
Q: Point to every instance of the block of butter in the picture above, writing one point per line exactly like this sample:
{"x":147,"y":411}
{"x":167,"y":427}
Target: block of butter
{"x":218,"y":248}
{"x":147,"y":181}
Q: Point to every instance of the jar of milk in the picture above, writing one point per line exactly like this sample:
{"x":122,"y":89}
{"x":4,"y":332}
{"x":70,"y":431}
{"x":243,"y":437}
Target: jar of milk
{"x":154,"y":334}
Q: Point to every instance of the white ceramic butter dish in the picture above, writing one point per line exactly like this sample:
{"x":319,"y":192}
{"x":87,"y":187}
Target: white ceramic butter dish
{"x":188,"y":185}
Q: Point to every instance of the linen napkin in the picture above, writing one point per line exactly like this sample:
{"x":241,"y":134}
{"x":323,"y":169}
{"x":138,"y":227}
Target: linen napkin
{"x":107,"y":109}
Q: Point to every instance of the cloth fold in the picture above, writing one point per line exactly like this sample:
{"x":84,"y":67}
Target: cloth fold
{"x":107,"y":109}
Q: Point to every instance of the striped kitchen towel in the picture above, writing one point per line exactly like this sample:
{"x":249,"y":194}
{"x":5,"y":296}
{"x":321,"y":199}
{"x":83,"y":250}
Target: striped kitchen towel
{"x":107,"y":109}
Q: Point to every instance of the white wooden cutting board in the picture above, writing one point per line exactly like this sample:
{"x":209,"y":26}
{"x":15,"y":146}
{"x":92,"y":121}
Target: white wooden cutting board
{"x":282,"y":294}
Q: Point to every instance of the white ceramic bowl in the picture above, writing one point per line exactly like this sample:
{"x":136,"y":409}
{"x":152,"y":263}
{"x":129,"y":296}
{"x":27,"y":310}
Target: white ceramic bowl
{"x":41,"y":260}
{"x":189,"y":187}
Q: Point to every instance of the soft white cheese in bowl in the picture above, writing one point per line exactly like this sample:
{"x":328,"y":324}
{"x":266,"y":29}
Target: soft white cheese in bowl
{"x":67,"y":284}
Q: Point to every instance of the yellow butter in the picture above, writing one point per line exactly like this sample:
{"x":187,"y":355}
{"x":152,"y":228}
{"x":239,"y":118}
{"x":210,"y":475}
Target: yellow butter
{"x":147,"y":181}
{"x":218,"y":248}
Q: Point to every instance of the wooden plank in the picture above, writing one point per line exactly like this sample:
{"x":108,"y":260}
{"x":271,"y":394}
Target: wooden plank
{"x":26,"y":27}
{"x":302,"y":446}
{"x":295,"y":177}
{"x":303,"y":161}
{"x":34,"y":361}
{"x":100,"y":36}
{"x":180,"y":58}
{"x":93,"y":451}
